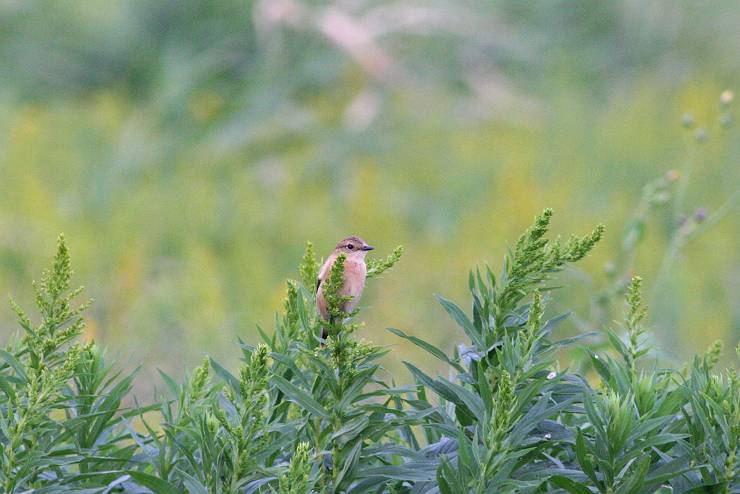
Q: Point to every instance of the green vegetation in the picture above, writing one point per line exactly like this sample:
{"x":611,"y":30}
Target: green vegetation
{"x":300,"y":416}
{"x":189,"y":148}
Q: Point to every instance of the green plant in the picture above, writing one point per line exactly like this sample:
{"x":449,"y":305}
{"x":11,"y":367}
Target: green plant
{"x":303,"y":414}
{"x":61,"y":419}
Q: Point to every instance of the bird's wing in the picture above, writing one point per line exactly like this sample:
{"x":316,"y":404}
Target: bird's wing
{"x":324,"y":271}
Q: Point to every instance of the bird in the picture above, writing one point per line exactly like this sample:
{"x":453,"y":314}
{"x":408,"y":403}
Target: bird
{"x":354,"y":249}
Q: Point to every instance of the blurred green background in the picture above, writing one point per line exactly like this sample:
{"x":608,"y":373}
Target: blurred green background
{"x":188,"y":149}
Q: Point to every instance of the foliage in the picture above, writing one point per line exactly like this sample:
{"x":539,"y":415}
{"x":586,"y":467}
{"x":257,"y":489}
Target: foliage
{"x":187,"y":148}
{"x":376,"y":267}
{"x":61,"y":418}
{"x":303,"y":414}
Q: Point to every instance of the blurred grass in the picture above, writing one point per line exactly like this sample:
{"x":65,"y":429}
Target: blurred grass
{"x":189,"y":149}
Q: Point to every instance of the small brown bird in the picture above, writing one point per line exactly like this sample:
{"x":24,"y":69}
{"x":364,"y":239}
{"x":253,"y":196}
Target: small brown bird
{"x":354,"y":249}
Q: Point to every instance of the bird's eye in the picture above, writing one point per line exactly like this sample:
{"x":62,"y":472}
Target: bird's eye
{"x":350,"y":246}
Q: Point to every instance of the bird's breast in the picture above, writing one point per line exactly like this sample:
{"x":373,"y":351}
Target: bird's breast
{"x":354,"y":278}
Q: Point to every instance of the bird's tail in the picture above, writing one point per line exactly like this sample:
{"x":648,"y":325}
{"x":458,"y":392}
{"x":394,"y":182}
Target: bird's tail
{"x":325,"y":330}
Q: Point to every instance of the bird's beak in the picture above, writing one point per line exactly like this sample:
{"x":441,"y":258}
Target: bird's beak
{"x":367,"y":247}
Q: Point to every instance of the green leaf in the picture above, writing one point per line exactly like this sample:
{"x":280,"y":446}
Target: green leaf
{"x":484,"y":389}
{"x":449,"y":478}
{"x":574,"y":339}
{"x":427,"y":347}
{"x":350,"y":430}
{"x":535,"y":415}
{"x":171,"y":384}
{"x":467,"y":464}
{"x":300,"y":397}
{"x":618,"y":345}
{"x":648,"y":426}
{"x":157,"y":485}
{"x":193,"y":485}
{"x":633,"y":483}
{"x":462,"y":320}
{"x":472,"y":402}
{"x":354,"y":392}
{"x":443,"y":391}
{"x":583,"y":460}
{"x":413,"y":471}
{"x":225,"y":375}
{"x":569,"y":485}
{"x":653,"y":441}
{"x":670,"y":470}
{"x":600,"y":367}
{"x":553,"y":323}
{"x":7,"y":388}
{"x":350,"y":462}
{"x":108,"y":408}
{"x":269,"y":341}
{"x":289,"y":362}
{"x":15,"y":364}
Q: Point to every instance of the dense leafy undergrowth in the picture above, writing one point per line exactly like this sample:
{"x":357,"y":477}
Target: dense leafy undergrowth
{"x":302,"y":415}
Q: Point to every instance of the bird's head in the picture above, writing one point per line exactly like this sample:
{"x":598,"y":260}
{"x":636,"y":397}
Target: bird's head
{"x":353,"y":247}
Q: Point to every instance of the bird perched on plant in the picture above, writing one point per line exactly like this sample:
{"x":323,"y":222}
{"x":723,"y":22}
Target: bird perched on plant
{"x":354,"y":249}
